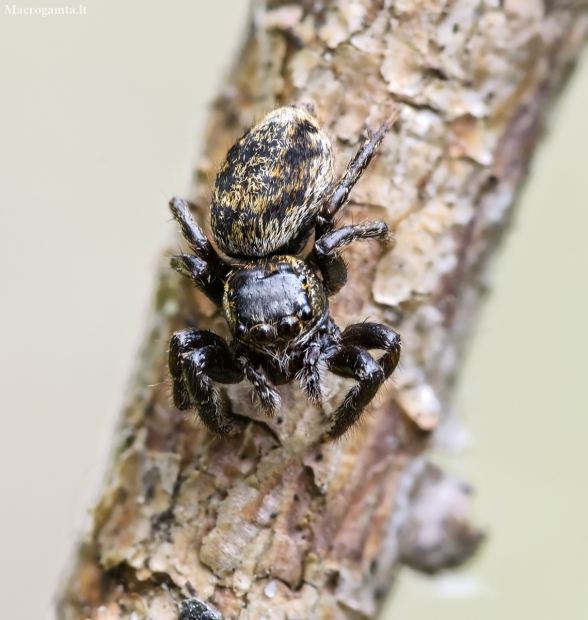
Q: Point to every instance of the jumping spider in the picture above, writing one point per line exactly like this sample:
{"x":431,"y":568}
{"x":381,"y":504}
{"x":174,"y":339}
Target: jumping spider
{"x":276,"y":187}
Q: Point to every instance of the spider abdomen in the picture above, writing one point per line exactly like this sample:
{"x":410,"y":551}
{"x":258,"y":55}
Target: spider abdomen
{"x":271,"y":185}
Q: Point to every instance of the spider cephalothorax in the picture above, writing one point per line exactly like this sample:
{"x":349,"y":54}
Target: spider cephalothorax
{"x":275,"y":188}
{"x":274,"y":302}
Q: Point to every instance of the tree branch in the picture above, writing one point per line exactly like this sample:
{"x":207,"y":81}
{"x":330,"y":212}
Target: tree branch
{"x":273,"y":519}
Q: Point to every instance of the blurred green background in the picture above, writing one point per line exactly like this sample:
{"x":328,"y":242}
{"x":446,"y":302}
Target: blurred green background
{"x":100,"y":119}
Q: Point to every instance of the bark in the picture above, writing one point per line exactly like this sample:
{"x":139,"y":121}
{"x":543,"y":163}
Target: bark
{"x":274,"y":524}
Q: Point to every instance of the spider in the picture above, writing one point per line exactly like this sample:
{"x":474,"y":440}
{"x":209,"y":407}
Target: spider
{"x":275,"y":188}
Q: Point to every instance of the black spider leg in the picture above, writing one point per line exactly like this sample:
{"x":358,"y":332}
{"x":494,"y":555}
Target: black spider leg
{"x":199,"y":242}
{"x":355,"y":169}
{"x":356,"y":363}
{"x":311,"y":371}
{"x":201,"y":274}
{"x":353,"y":361}
{"x":196,"y":358}
{"x":328,"y":240}
{"x":267,"y":398}
{"x":328,"y":259}
{"x":375,"y":336}
{"x":310,"y":374}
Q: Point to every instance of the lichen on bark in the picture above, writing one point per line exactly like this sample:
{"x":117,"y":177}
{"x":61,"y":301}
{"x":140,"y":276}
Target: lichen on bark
{"x":274,"y":524}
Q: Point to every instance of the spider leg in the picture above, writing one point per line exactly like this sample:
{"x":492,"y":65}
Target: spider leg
{"x":355,"y":169}
{"x":355,"y":363}
{"x":375,"y":336}
{"x":198,"y":241}
{"x":328,"y":259}
{"x":201,"y":274}
{"x":267,"y":398}
{"x":196,"y":358}
{"x":310,"y":373}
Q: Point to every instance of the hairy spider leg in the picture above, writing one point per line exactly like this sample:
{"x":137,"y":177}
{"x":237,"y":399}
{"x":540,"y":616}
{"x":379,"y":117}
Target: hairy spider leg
{"x":328,"y":240}
{"x":201,"y":274}
{"x":198,"y":241}
{"x":354,"y":171}
{"x":310,"y":373}
{"x":328,"y":259}
{"x":196,"y":358}
{"x":353,"y":361}
{"x":267,"y":398}
{"x":375,"y":336}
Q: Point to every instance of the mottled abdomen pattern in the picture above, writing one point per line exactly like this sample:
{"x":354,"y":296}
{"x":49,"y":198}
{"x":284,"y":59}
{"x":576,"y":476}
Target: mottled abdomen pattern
{"x":271,"y":184}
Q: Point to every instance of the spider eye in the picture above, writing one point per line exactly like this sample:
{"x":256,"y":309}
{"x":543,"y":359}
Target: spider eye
{"x":305,"y":312}
{"x":241,"y":330}
{"x":289,"y":327}
{"x":263,"y":334}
